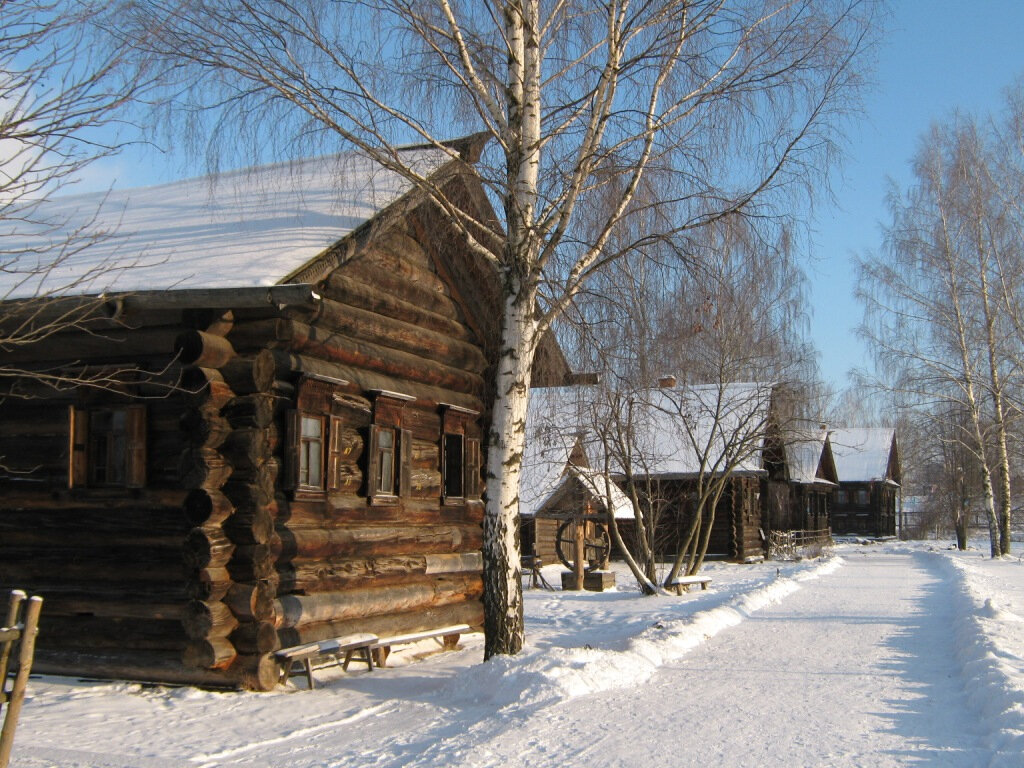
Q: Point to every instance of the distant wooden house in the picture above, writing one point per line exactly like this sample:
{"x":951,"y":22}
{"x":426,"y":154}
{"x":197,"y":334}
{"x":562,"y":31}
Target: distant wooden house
{"x":676,"y":435}
{"x":799,"y":492}
{"x":869,"y":472}
{"x":290,"y":440}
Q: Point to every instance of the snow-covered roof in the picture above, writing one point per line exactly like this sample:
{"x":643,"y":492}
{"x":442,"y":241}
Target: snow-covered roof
{"x":543,"y":470}
{"x":721,"y":426}
{"x":803,"y":455}
{"x":862,"y":453}
{"x":239,"y":229}
{"x":672,"y":428}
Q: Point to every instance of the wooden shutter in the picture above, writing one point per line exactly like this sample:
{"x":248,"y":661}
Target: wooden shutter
{"x":78,"y":448}
{"x":372,"y":464}
{"x":334,"y":451}
{"x":293,"y":429}
{"x":471,"y":482}
{"x":135,"y":447}
{"x":404,"y":462}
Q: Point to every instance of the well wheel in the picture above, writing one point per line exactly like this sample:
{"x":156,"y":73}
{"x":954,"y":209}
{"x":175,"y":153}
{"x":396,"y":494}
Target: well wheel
{"x":596,"y":548}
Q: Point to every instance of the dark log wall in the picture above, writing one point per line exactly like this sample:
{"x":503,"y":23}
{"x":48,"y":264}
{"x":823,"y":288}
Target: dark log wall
{"x":736,"y":531}
{"x":875,"y":517}
{"x":108,"y":560}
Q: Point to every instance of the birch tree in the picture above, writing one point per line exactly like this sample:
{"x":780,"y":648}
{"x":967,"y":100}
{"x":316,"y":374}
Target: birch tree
{"x":612,"y":126}
{"x":932,"y":306}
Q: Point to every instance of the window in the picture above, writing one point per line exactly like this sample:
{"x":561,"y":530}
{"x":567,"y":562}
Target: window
{"x":841,"y":497}
{"x":389,"y":458}
{"x":311,"y":451}
{"x":862,"y":498}
{"x":311,"y":456}
{"x":385,"y":461}
{"x":454,"y":463}
{"x":460,"y":456}
{"x":107,"y":447}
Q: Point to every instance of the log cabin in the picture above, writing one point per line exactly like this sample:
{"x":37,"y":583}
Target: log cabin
{"x":799,"y":494}
{"x":870,"y":476}
{"x":268,"y":421}
{"x":672,"y":431}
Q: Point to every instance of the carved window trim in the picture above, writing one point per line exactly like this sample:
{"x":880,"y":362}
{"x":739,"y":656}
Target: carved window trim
{"x":460,"y":474}
{"x":310,"y":437}
{"x":389,"y":454}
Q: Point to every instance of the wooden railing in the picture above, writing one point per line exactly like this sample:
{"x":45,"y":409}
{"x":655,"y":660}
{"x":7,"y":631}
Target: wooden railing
{"x":794,"y":545}
{"x":17,"y":644}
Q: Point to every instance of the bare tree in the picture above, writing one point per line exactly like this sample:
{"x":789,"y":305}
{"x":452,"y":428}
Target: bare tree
{"x":713,"y":319}
{"x":613,"y":126}
{"x":934,"y":305}
{"x":60,"y":99}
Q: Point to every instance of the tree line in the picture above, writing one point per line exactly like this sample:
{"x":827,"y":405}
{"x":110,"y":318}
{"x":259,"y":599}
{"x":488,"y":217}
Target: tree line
{"x":943,"y":315}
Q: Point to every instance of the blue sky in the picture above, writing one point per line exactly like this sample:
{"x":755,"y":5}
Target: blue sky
{"x":936,"y":56}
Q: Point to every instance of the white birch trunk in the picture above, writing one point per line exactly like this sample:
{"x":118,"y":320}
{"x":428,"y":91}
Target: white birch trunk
{"x":503,"y":589}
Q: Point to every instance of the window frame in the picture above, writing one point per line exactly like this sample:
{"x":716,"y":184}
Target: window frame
{"x":305,"y":480}
{"x":388,"y":410}
{"x":458,"y":422}
{"x":127,"y":464}
{"x":314,"y":394}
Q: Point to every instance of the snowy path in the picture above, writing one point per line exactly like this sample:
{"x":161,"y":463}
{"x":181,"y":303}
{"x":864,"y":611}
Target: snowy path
{"x":885,"y":656}
{"x":857,"y":668}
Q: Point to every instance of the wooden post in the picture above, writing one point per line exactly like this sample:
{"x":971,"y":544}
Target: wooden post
{"x":579,"y":551}
{"x":13,"y":609}
{"x":26,"y":650}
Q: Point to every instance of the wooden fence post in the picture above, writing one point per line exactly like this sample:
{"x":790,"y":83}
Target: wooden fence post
{"x":25,"y":636}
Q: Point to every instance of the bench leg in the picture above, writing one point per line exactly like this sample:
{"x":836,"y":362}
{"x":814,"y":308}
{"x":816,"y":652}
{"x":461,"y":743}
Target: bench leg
{"x":363,"y":654}
{"x":703,"y":586}
{"x":308,"y":664}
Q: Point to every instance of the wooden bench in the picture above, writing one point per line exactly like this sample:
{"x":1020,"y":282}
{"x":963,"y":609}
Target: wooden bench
{"x":340,"y":649}
{"x":449,"y":637}
{"x":683,"y":583}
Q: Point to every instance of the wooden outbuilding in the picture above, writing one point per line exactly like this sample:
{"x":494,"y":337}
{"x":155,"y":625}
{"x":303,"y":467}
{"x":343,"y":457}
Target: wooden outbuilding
{"x":870,"y":476}
{"x":288,"y":442}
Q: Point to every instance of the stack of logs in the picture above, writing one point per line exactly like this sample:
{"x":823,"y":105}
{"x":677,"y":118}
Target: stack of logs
{"x":232,"y":471}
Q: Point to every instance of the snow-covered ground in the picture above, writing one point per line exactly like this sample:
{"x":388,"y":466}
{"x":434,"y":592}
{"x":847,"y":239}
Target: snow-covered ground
{"x":883,"y":654}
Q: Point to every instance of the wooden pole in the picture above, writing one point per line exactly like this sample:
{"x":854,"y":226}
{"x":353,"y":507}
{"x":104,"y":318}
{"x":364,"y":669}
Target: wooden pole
{"x":26,"y":651}
{"x":579,"y":551}
{"x":13,"y":609}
